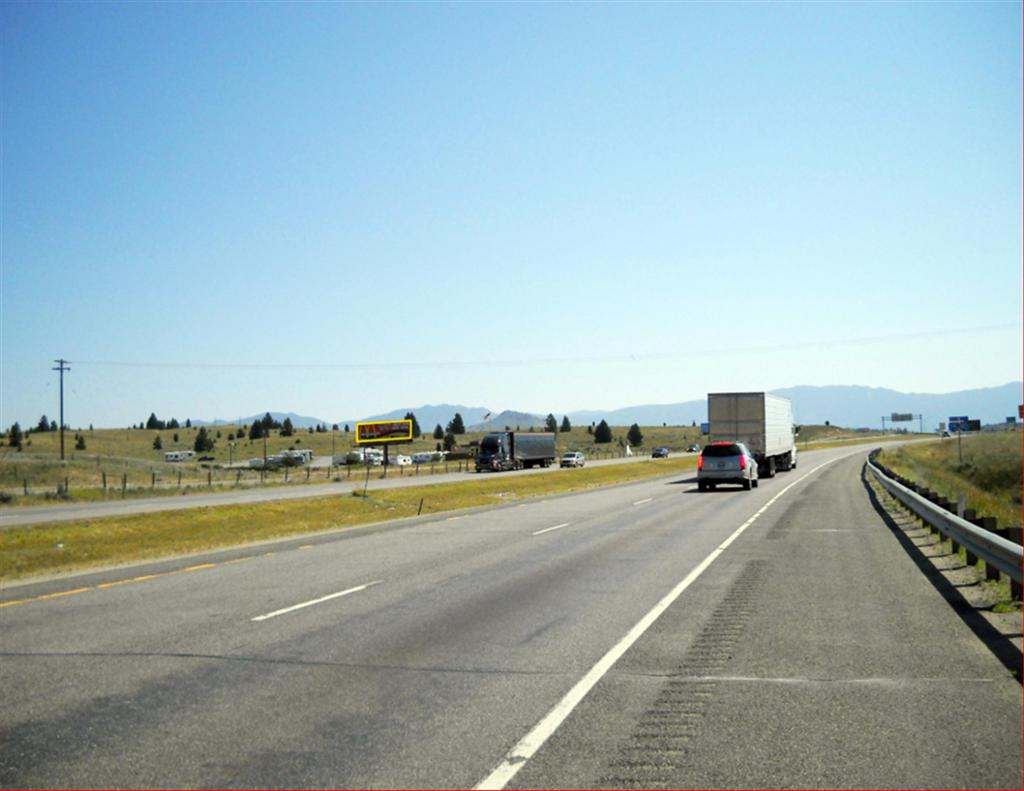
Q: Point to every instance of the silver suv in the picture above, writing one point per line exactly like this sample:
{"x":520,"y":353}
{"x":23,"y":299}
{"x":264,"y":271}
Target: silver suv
{"x":726,"y":462}
{"x":572,"y":459}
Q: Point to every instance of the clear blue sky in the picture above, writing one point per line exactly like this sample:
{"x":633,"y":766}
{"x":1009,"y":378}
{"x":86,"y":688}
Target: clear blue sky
{"x":556,"y":206}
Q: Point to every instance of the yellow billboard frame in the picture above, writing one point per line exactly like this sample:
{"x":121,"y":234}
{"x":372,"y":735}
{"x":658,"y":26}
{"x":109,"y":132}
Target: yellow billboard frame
{"x":400,"y":431}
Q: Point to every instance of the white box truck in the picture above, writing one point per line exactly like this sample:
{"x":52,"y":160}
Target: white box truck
{"x":761,"y":421}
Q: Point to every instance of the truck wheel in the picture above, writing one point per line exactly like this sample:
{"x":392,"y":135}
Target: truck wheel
{"x":701,"y":486}
{"x":746,"y":484}
{"x":754,"y":483}
{"x":771,"y":467}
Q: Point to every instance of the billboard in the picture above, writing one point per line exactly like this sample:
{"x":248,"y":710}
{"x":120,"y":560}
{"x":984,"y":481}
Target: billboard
{"x":901,"y":417}
{"x":379,"y":432}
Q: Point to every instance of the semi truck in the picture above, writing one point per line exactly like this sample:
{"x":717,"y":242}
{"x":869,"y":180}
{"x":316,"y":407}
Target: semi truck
{"x":761,"y":421}
{"x":514,"y":450}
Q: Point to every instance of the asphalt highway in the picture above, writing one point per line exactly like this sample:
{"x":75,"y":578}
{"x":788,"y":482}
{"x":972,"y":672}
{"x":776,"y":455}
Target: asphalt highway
{"x":637,"y":636}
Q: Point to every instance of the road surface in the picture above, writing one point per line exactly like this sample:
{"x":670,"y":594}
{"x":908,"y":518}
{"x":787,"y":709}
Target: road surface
{"x":637,"y":636}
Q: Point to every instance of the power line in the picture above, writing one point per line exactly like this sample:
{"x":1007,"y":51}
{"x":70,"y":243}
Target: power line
{"x":607,"y":358}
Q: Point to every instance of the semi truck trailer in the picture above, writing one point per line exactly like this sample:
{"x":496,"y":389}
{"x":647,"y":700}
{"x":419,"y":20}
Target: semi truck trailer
{"x":761,"y":421}
{"x":514,"y":450}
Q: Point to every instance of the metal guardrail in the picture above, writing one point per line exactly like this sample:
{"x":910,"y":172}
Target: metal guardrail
{"x":995,"y":550}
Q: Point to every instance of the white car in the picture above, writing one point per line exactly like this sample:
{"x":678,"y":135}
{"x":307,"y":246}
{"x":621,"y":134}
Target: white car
{"x":572,"y":459}
{"x":726,"y":462}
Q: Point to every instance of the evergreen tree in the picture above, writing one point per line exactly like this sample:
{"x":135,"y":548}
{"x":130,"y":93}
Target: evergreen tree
{"x":188,"y":422}
{"x":415,"y":425}
{"x":457,"y":426}
{"x":550,"y":424}
{"x":449,"y":441}
{"x":634,"y":436}
{"x":438,"y":432}
{"x":158,"y":443}
{"x":241,"y":433}
{"x":80,"y":443}
{"x":566,"y":426}
{"x":153,"y":423}
{"x":287,"y":429}
{"x":204,"y":442}
{"x":346,"y":428}
{"x":173,"y":423}
{"x":15,"y":437}
{"x":602,"y":433}
{"x":53,"y":426}
{"x":335,"y":427}
{"x":44,"y":424}
{"x":256,"y":432}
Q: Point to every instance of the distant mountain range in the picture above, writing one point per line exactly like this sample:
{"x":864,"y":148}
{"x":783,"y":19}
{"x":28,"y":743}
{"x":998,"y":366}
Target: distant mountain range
{"x":851,"y":406}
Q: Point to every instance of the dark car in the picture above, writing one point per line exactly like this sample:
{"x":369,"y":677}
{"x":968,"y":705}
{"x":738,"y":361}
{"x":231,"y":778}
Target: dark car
{"x":693,"y":449}
{"x":726,"y":462}
{"x":660,"y":453}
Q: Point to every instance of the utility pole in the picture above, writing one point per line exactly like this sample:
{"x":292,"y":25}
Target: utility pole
{"x":62,"y":367}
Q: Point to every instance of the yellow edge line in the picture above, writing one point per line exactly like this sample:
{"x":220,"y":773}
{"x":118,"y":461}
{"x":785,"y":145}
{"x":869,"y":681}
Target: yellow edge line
{"x":143,"y":578}
{"x":64,"y":593}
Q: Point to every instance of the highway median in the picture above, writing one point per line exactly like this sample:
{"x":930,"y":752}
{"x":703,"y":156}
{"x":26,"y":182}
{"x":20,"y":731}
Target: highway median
{"x":56,"y":548}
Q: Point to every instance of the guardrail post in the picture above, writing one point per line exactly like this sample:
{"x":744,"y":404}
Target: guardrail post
{"x":946,"y":505}
{"x":971,"y":516}
{"x":989,"y":523}
{"x":1015,"y":535}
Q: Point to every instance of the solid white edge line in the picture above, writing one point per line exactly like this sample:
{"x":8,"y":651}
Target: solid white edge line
{"x":641,"y":502}
{"x":549,"y":529}
{"x":295,"y":607}
{"x":517,"y":757}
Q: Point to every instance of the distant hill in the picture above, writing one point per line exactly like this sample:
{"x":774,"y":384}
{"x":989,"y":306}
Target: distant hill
{"x":842,"y":405}
{"x":299,"y":421}
{"x":514,"y":420}
{"x":852,"y":406}
{"x":429,"y":415}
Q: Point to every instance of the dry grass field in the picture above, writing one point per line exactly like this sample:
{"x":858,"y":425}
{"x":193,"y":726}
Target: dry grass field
{"x":985,"y":468}
{"x":124,"y":463}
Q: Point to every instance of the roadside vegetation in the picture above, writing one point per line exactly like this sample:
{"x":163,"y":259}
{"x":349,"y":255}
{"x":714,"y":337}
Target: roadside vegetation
{"x":119,"y":463}
{"x":68,"y":546}
{"x":985,"y":468}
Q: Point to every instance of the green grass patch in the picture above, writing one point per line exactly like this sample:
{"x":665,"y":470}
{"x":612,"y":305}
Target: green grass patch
{"x":61,"y":547}
{"x":985,"y":468}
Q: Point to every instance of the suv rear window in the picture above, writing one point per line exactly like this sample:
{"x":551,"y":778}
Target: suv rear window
{"x":722,"y":450}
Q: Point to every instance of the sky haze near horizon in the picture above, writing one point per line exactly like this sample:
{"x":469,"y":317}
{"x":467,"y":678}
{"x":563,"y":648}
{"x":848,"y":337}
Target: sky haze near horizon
{"x":343,"y":209}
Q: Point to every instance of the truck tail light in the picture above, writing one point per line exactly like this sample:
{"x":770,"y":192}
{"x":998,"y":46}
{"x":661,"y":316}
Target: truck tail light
{"x":700,"y":463}
{"x":743,"y":462}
